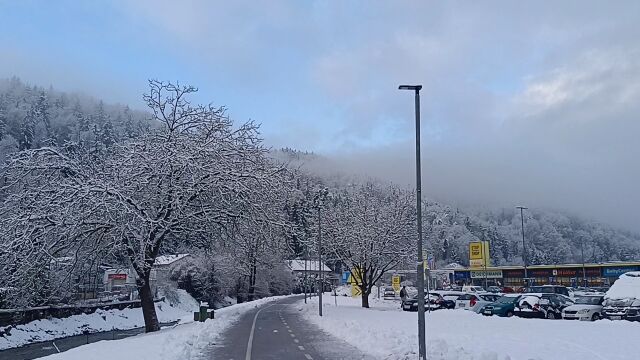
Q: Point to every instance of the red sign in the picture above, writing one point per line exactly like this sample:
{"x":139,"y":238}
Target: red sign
{"x":117,"y":277}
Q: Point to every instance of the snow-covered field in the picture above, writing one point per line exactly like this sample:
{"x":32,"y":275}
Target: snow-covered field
{"x":386,"y":332}
{"x":181,"y":342}
{"x":178,"y":307}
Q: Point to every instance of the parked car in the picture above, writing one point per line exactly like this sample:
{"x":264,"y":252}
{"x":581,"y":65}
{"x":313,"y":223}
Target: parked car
{"x":494,"y":289}
{"x":622,"y":301}
{"x":444,"y":299}
{"x":550,"y":289}
{"x":507,"y":290}
{"x":587,"y":308}
{"x":502,"y":307}
{"x":389,"y":293}
{"x":472,"y":289}
{"x":434,"y":300}
{"x":538,"y":305}
{"x":475,"y":302}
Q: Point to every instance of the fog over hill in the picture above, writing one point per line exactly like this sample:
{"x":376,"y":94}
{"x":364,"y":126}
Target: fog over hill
{"x":553,"y":236}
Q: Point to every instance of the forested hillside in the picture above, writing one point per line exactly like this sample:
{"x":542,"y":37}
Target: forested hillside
{"x":91,"y":185}
{"x":32,"y":117}
{"x":552,"y":237}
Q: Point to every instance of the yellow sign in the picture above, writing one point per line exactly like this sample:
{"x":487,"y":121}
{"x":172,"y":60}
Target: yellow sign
{"x":479,"y":254}
{"x":355,"y":290}
{"x":355,"y":277}
{"x":475,"y":251}
{"x":487,"y":256}
{"x":395,"y":282}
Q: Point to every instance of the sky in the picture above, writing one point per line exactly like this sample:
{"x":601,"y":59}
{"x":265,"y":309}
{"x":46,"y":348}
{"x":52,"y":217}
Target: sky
{"x":523,"y":103}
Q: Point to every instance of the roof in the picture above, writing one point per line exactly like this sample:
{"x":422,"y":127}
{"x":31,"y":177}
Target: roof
{"x":169,"y":259}
{"x":311,"y":265}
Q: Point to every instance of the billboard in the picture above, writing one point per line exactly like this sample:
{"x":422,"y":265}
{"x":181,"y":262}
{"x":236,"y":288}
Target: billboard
{"x":479,"y":254}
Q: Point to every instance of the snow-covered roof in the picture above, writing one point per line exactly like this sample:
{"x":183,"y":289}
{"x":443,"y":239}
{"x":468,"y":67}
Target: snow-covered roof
{"x":299,"y":265}
{"x":627,"y":286}
{"x":169,"y":259}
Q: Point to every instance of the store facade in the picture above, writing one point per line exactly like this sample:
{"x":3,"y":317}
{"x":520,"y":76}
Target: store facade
{"x":574,"y":275}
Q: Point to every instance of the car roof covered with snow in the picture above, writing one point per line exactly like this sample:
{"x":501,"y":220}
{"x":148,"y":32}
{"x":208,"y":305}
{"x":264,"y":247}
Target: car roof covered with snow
{"x":627,"y":286}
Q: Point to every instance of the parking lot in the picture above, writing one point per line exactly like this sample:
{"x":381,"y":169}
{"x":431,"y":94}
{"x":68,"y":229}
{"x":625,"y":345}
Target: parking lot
{"x":387,"y":332}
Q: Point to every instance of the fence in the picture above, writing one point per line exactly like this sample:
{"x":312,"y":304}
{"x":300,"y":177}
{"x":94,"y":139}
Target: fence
{"x":23,"y":316}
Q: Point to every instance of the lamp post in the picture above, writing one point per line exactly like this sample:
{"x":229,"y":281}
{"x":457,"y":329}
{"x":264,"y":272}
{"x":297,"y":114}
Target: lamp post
{"x":524,"y":246}
{"x":422,"y":346}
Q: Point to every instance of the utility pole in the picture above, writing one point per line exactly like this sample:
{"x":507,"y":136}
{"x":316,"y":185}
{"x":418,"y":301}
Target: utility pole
{"x":320,"y":285}
{"x":422,"y":346}
{"x":584,"y":271}
{"x":524,"y":245}
{"x":318,"y":202}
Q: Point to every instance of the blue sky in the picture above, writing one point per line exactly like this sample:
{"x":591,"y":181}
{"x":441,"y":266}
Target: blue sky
{"x":523,"y":102}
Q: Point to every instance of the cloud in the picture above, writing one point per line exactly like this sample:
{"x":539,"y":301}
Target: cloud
{"x":531,"y":103}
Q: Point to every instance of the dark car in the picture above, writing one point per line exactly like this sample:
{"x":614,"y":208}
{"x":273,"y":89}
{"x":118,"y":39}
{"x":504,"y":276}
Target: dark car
{"x":434,"y":300}
{"x":504,"y":306}
{"x":537,"y":305}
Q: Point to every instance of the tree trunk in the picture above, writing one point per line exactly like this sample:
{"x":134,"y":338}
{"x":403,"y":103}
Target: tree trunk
{"x":365,"y":299}
{"x":252,"y":283}
{"x":148,"y":306}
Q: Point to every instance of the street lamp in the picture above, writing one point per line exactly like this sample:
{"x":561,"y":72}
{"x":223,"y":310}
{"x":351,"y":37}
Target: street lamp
{"x":318,"y":201}
{"x":422,"y":346}
{"x":524,"y":246}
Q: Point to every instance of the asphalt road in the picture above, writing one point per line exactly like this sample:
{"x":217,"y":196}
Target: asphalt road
{"x":37,"y":350}
{"x":277,"y":331}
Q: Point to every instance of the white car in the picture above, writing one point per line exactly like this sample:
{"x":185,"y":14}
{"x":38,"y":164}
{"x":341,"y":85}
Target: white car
{"x":475,"y":302}
{"x":586,"y":308}
{"x":473,"y":289}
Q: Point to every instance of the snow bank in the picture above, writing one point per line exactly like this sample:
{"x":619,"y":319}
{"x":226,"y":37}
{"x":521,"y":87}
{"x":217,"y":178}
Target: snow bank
{"x":627,"y":286}
{"x":386,"y":332}
{"x":181,"y":342}
{"x":180,"y":308}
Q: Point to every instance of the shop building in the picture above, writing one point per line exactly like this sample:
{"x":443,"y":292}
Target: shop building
{"x":602,"y":274}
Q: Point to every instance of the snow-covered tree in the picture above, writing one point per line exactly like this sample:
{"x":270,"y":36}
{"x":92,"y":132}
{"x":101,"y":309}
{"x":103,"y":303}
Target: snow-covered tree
{"x":196,"y":172}
{"x":370,"y":228}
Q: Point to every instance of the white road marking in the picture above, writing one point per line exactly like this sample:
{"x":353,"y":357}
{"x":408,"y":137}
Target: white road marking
{"x":289,"y":330}
{"x":308,"y":356}
{"x":275,"y":331}
{"x":253,"y":328}
{"x":301,"y":347}
{"x":296,"y":341}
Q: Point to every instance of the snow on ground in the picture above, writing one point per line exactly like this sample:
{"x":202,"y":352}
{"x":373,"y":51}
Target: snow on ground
{"x":386,"y":332}
{"x":178,"y":306}
{"x":180,"y":342}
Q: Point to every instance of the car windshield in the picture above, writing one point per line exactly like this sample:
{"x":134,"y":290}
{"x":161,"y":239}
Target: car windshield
{"x":589,"y":300}
{"x":507,"y":300}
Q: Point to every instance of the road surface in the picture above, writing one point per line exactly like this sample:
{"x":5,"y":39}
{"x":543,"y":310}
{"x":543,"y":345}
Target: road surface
{"x":277,"y":331}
